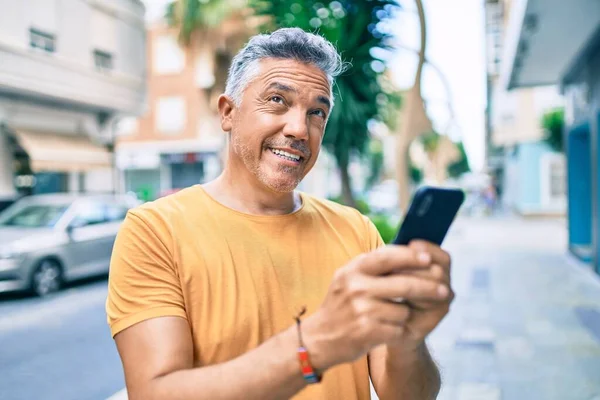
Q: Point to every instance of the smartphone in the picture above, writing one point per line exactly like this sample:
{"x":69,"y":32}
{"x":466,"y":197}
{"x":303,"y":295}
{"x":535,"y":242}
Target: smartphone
{"x":430,"y":215}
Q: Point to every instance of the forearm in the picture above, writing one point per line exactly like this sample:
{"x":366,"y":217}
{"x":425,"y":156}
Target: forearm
{"x":271,"y":371}
{"x":408,"y":375}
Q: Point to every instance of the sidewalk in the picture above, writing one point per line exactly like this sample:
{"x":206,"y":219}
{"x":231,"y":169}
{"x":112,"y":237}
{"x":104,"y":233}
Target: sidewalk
{"x":526,"y":320}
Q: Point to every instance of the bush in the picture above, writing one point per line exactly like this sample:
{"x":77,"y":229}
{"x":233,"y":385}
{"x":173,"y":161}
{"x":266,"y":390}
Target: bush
{"x":361,"y":205}
{"x":385,"y":228}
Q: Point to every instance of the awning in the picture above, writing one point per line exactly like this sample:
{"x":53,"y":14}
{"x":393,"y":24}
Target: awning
{"x":545,"y":39}
{"x":62,"y":153}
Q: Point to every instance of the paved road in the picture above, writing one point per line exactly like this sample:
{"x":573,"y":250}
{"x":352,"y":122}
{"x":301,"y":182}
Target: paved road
{"x":58,"y":348}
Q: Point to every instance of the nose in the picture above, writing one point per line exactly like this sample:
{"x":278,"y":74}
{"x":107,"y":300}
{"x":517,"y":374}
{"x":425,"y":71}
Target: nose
{"x":296,"y":125}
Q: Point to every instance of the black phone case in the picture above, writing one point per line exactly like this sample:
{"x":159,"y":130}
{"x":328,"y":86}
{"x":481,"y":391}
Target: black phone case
{"x":430,"y":215}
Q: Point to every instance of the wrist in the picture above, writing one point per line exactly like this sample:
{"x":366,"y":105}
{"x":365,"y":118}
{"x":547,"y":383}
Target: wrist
{"x":287,"y":348}
{"x":316,"y":344}
{"x":406,"y":353}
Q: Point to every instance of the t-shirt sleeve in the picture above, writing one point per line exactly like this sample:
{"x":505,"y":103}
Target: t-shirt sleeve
{"x":374,"y":239}
{"x":143,"y":281}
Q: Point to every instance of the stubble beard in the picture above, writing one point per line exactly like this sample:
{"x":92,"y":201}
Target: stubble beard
{"x":253,"y":164}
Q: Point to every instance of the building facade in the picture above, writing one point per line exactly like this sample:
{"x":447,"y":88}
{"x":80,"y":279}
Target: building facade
{"x":558,"y":43}
{"x":530,"y":175}
{"x":178,"y":142}
{"x":69,"y":70}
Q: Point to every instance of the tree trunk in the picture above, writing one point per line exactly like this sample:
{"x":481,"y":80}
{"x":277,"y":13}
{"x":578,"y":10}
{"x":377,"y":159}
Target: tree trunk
{"x":414,"y":120}
{"x":347,"y":195}
{"x":403,"y":175}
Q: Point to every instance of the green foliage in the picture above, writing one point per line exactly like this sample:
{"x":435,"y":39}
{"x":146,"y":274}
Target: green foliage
{"x":384,"y":226}
{"x":191,"y":15}
{"x":382,"y":222}
{"x":375,"y":162}
{"x":361,"y":205}
{"x":389,"y":106}
{"x":462,"y":165}
{"x":353,"y":26}
{"x":431,"y":141}
{"x":416,"y":175}
{"x":553,"y":123}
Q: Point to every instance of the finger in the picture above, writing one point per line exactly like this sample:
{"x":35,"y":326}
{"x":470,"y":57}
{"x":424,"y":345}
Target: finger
{"x":407,"y":287}
{"x":391,"y":313}
{"x":434,"y":273}
{"x":425,"y":305}
{"x":389,"y":333}
{"x":390,"y":258}
{"x":438,"y":255}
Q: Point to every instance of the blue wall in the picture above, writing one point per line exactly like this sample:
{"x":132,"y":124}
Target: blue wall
{"x":579,"y":167}
{"x":50,"y":182}
{"x":595,"y":130}
{"x":530,"y":154}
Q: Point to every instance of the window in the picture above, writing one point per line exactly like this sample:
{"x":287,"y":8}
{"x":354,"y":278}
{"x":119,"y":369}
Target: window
{"x":42,"y":40}
{"x":103,"y":60}
{"x":553,"y":185}
{"x":103,"y":30}
{"x":36,"y":216}
{"x":168,"y":56}
{"x":90,"y":213}
{"x":127,"y":126}
{"x":205,"y":77}
{"x":116,"y":212}
{"x":170,"y":115}
{"x":557,"y":178}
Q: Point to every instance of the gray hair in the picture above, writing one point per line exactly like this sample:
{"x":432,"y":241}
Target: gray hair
{"x":284,"y":43}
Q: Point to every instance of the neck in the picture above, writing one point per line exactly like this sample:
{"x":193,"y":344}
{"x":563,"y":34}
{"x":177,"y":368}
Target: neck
{"x":243,"y":193}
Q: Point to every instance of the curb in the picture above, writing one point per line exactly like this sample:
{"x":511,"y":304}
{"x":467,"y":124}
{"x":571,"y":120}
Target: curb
{"x":120,"y":395}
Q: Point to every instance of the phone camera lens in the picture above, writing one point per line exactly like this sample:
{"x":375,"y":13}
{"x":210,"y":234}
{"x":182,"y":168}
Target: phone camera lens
{"x":425,"y":206}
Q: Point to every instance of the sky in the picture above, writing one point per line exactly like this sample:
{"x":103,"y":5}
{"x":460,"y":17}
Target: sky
{"x":456,"y":45}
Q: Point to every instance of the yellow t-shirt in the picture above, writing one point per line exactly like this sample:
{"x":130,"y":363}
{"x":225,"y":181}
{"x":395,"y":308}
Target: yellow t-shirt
{"x":237,"y":279}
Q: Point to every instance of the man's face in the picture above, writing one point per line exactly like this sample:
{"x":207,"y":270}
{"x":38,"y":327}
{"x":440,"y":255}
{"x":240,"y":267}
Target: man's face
{"x":276,"y":132}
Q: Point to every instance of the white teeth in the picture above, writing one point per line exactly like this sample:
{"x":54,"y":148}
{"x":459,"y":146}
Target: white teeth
{"x":285,"y":154}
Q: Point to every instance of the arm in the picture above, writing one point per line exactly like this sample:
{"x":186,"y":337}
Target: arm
{"x":404,"y":374}
{"x":146,"y":312}
{"x":406,"y":370}
{"x":157,"y":359}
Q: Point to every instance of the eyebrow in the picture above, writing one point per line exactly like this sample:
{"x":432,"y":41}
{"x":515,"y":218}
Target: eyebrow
{"x":285,"y":88}
{"x":282,"y":87}
{"x":324,"y":100}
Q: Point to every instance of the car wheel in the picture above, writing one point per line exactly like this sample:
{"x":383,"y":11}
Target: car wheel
{"x":47,"y":278}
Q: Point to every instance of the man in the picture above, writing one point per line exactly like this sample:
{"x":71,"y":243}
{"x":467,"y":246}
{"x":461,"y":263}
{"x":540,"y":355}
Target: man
{"x":205,"y":284}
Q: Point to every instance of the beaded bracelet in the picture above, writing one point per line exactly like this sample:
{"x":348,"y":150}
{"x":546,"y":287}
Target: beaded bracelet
{"x":308,"y":372}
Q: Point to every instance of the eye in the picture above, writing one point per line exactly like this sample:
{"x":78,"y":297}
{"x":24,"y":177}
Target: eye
{"x":277,"y":99}
{"x":320,"y":113}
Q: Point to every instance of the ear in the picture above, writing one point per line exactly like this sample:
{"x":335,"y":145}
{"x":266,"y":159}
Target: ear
{"x":227,"y":111}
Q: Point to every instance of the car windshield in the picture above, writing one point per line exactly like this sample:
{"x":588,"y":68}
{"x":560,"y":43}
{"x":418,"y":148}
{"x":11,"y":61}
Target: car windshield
{"x":35,"y":216}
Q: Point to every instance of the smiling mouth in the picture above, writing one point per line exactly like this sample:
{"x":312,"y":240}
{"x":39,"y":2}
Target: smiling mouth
{"x":286,"y":156}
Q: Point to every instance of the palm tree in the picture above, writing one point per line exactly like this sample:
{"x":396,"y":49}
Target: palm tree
{"x":441,"y":154}
{"x":352,"y":26}
{"x":413,"y":118}
{"x":215,"y":30}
